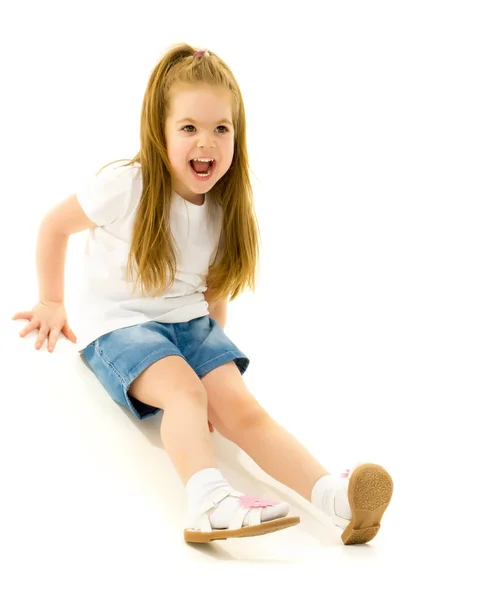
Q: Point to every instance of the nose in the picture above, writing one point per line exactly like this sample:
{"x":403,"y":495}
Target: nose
{"x":204,"y":139}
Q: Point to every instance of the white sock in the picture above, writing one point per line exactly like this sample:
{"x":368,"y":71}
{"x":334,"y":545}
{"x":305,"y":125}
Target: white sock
{"x":327,"y":488}
{"x":205,"y":482}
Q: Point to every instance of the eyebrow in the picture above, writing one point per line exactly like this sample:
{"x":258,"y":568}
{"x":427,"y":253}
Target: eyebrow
{"x":193,"y":121}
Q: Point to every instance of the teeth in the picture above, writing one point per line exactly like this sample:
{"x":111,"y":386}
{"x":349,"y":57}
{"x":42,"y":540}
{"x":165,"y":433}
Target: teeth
{"x":204,"y":159}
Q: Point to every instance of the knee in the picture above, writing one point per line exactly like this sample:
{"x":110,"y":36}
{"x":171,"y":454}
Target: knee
{"x":241,"y":421}
{"x":192,"y":397}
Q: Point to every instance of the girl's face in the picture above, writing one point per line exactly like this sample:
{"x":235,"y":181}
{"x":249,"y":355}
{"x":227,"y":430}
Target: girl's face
{"x":199,"y":124}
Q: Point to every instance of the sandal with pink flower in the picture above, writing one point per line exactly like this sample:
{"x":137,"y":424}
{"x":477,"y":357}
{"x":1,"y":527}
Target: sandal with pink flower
{"x":201,"y":532}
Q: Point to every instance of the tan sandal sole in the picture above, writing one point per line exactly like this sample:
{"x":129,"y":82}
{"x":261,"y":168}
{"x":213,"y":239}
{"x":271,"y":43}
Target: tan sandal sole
{"x":369,"y":492}
{"x":203,"y":537}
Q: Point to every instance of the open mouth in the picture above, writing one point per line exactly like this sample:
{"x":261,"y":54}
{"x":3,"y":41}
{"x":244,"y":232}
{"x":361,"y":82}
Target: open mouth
{"x":202,"y":167}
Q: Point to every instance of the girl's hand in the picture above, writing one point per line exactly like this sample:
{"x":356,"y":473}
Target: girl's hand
{"x":49,"y":318}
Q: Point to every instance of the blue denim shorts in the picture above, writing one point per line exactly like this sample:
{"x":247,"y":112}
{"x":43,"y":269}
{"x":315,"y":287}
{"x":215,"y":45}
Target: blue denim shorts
{"x":119,"y":357}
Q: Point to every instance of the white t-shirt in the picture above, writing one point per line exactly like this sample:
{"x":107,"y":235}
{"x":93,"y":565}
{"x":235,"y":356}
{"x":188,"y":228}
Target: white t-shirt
{"x":110,"y":199}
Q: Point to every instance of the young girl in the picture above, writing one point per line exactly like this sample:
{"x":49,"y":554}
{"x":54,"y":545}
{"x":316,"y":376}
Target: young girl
{"x":178,"y":220}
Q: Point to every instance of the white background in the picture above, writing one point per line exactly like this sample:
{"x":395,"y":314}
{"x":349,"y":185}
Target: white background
{"x":363,"y":138}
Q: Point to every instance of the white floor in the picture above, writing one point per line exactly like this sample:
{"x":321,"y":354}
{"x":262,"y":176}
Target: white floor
{"x":92,"y":508}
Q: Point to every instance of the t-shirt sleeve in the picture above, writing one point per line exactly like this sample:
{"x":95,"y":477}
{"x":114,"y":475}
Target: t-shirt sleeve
{"x":106,"y":196}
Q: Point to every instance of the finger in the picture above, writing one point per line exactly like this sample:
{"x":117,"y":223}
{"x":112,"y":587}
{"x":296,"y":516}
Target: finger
{"x":69,"y":333}
{"x":34,"y":323}
{"x":23,"y":315}
{"x":41,"y":337}
{"x":53,"y":338}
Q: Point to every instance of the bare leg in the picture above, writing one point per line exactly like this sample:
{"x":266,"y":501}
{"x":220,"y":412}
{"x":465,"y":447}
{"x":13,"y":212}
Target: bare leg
{"x":279,"y":454}
{"x":170,"y":384}
{"x":238,"y":416}
{"x":186,"y":437}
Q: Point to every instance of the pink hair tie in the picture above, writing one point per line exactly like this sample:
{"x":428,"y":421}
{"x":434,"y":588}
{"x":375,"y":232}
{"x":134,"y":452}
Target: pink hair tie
{"x":201,"y":53}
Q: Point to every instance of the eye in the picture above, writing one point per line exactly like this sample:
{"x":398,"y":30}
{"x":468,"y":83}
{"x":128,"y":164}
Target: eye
{"x":192,"y":126}
{"x":225,"y":129}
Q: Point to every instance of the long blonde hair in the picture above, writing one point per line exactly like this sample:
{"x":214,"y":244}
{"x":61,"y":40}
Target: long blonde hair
{"x":152,"y":247}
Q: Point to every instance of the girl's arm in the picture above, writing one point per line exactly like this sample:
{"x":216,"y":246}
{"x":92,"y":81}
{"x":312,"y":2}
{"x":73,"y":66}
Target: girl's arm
{"x":57,"y":225}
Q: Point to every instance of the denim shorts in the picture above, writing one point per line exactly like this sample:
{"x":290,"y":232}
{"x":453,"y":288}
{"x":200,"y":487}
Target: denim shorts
{"x":119,"y":357}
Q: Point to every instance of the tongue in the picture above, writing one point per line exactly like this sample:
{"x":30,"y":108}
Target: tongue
{"x":200,"y":167}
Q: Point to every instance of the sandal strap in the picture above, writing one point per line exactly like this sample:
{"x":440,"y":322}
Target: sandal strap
{"x":240,"y":515}
{"x":242,"y":512}
{"x":202,"y":520}
{"x":215,"y":498}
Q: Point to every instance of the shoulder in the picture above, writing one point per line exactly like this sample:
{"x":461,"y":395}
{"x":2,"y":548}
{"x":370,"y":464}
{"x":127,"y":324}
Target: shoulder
{"x":119,"y":172}
{"x":108,"y":194}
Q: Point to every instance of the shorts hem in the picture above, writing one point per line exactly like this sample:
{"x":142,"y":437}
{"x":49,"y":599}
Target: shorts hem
{"x":240,"y":359}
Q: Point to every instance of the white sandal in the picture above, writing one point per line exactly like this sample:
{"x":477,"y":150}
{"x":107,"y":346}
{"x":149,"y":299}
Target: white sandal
{"x":369,"y":489}
{"x":201,"y":532}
